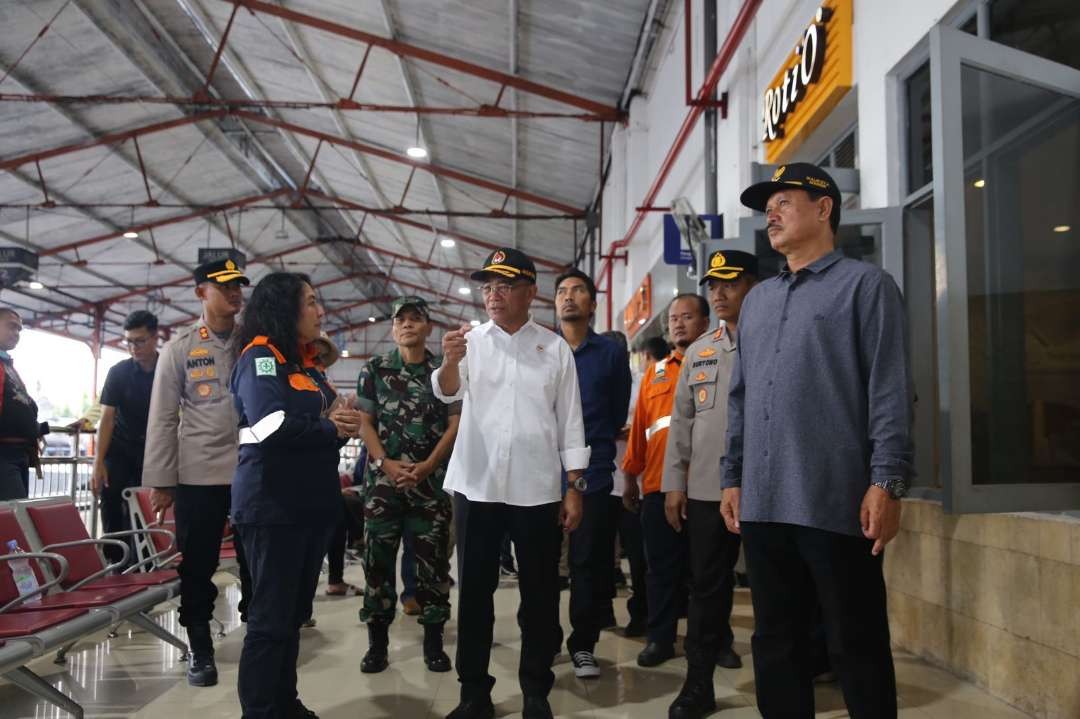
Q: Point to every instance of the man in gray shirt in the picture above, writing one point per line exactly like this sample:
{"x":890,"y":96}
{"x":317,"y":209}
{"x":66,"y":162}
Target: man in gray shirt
{"x":819,"y":451}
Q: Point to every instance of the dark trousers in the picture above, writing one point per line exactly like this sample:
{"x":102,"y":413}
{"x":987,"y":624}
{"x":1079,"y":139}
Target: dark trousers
{"x":124,"y":471}
{"x":629,"y":523}
{"x":14,"y":472}
{"x":793,"y":570}
{"x":592,"y":570}
{"x":285,"y":562}
{"x":536,"y":536}
{"x":713,"y":554}
{"x":666,"y":572}
{"x":335,"y":554}
{"x":201,"y":512}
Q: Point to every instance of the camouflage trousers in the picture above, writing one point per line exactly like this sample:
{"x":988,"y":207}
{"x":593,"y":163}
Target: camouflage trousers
{"x":426,"y":514}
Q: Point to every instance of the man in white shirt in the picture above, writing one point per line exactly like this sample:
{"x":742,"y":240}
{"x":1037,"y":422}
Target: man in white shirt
{"x":520,"y":426}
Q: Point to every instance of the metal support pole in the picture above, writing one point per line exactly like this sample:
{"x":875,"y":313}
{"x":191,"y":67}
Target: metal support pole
{"x":709,"y":21}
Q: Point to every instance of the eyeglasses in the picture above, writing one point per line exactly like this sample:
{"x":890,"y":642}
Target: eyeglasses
{"x":135,"y":343}
{"x":498,"y":288}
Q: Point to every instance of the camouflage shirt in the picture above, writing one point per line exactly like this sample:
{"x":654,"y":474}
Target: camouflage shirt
{"x":409,"y":418}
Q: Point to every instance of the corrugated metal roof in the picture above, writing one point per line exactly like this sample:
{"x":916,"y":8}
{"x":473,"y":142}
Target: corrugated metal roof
{"x":165,"y":48}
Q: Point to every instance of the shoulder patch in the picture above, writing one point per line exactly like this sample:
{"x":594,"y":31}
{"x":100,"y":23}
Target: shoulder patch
{"x":265,"y":366}
{"x":707,"y":352}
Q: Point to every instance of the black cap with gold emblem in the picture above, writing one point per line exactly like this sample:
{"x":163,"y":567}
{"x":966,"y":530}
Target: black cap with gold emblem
{"x":507,"y":263}
{"x":220,"y":271}
{"x":798,"y":176}
{"x":729,"y":265}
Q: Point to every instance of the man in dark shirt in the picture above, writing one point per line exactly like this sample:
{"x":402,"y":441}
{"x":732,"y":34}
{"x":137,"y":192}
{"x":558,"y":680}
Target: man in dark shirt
{"x":603,"y":371}
{"x":819,"y":451}
{"x":121,"y":436}
{"x":19,"y":428}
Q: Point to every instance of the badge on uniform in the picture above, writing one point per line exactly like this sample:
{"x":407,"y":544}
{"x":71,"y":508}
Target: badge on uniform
{"x":699,"y":376}
{"x":204,"y":334}
{"x":702,"y":395}
{"x":265,"y":366}
{"x":707,"y":352}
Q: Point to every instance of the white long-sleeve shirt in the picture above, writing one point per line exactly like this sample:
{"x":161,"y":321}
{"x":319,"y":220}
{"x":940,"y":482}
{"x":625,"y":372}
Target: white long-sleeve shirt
{"x":521,"y":417}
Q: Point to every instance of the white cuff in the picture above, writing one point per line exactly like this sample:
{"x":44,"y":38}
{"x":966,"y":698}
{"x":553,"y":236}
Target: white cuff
{"x":575,"y":458}
{"x":447,"y":398}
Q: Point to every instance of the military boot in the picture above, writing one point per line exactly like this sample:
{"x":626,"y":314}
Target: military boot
{"x":434,"y":656}
{"x":697,"y":698}
{"x":201,"y":672}
{"x":377,"y":658}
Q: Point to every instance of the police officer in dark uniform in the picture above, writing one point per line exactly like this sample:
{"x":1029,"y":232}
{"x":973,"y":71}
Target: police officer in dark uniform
{"x":286,"y":493}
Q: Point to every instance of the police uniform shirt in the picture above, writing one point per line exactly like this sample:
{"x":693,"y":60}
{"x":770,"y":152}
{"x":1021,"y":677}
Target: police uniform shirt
{"x":191,"y":428}
{"x":127,"y":389}
{"x":699,"y":418}
{"x":521,"y":418}
{"x":409,"y":418}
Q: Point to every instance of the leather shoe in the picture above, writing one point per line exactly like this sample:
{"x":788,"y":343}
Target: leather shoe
{"x":695,"y":701}
{"x":728,"y":659}
{"x":653,"y":655}
{"x":299,"y":711}
{"x":202,"y":671}
{"x":473,"y":709}
{"x":536,"y":708}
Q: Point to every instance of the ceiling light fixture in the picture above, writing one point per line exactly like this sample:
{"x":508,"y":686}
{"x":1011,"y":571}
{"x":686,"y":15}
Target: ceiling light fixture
{"x":344,"y":353}
{"x":417,"y":151}
{"x":370,"y":319}
{"x":464,"y":291}
{"x":1062,"y":228}
{"x":131,"y":235}
{"x":35,"y":285}
{"x":979,"y":183}
{"x":447,"y":242}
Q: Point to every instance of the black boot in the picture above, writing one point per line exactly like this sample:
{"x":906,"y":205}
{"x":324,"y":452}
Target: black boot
{"x":434,"y":656}
{"x":376,"y":659}
{"x":697,"y":698}
{"x":202,"y":672}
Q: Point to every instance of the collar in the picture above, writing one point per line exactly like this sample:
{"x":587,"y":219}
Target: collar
{"x":309,"y":357}
{"x":819,"y":265}
{"x":5,"y":356}
{"x":396,"y":362}
{"x":590,"y":338}
{"x":490,"y":326}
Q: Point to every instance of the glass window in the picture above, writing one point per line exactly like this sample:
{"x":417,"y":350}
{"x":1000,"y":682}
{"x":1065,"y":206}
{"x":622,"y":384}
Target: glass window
{"x":1022,"y":180}
{"x":1047,"y":28}
{"x":919,"y":284}
{"x":919,"y":150}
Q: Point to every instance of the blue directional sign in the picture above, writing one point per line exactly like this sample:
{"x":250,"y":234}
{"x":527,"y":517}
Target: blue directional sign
{"x":677,"y":252}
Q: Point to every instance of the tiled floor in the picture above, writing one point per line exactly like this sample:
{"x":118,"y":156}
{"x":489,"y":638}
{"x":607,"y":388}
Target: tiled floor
{"x":135,"y":675}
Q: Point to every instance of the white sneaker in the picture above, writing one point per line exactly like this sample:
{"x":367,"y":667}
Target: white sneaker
{"x":585,"y":666}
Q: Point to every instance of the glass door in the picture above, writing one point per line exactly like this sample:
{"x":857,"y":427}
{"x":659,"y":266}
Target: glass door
{"x":1006,"y":167}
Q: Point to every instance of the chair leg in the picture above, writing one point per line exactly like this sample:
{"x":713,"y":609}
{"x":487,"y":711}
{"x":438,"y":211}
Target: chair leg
{"x":144,"y":622}
{"x":61,"y":654}
{"x":30,"y":682}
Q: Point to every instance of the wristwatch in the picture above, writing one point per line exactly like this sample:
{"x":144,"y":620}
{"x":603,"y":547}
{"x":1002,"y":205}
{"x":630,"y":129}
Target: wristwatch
{"x":377,"y":462}
{"x":580,"y":484}
{"x":895,"y":487}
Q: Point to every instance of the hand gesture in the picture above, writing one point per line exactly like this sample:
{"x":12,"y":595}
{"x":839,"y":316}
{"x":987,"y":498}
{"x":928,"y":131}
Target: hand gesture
{"x":346,"y":420}
{"x":454,"y":346}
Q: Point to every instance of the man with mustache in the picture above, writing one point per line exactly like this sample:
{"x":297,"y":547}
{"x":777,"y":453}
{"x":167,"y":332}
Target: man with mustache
{"x":603,"y":370}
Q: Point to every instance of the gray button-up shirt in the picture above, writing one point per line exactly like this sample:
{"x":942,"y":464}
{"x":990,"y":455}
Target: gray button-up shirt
{"x":191,"y":430}
{"x":699,"y":418}
{"x":820,"y":403}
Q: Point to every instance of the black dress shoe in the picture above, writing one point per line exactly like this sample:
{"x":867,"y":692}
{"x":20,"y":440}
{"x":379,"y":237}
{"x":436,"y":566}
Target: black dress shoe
{"x":728,"y":659}
{"x":473,"y":709}
{"x":653,"y":655}
{"x":695,"y":701}
{"x":636,"y":628}
{"x":536,"y":708}
{"x":202,"y":671}
{"x":299,"y":711}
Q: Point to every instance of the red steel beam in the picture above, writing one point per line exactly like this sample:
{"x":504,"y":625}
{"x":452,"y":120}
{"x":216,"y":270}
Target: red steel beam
{"x":398,"y":158}
{"x":112,"y":138}
{"x":723,"y":57}
{"x":417,"y":53}
{"x":45,"y":252}
{"x":205,"y":92}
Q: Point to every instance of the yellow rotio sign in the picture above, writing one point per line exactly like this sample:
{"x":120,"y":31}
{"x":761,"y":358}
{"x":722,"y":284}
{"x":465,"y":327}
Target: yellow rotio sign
{"x":812,"y":80}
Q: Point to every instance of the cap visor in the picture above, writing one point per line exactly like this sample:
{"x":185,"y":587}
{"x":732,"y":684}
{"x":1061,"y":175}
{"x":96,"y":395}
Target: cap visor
{"x":756,"y":197}
{"x":488,"y":273}
{"x":232,"y":277}
{"x":719,"y":276}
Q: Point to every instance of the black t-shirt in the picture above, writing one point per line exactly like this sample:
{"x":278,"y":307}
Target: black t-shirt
{"x":127,"y":388}
{"x":18,"y":412}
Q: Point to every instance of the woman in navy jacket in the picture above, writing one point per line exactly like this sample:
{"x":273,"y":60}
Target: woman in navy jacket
{"x":286,"y":497}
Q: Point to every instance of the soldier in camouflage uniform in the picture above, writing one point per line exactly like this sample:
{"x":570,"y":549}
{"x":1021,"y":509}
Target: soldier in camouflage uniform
{"x":409,"y":434}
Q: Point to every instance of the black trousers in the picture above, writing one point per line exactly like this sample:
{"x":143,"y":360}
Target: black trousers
{"x":335,"y":554}
{"x":125,"y":470}
{"x":201,"y":512}
{"x":792,"y":571}
{"x":285,"y":562}
{"x":666,"y":573}
{"x":14,"y":472}
{"x":536,"y":536}
{"x":713,"y":554}
{"x":630,"y":540}
{"x":592,"y":571}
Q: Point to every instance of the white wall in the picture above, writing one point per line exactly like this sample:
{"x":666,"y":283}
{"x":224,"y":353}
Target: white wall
{"x":883,"y":33}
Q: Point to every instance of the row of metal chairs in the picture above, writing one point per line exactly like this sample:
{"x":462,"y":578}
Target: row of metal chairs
{"x":79,"y":592}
